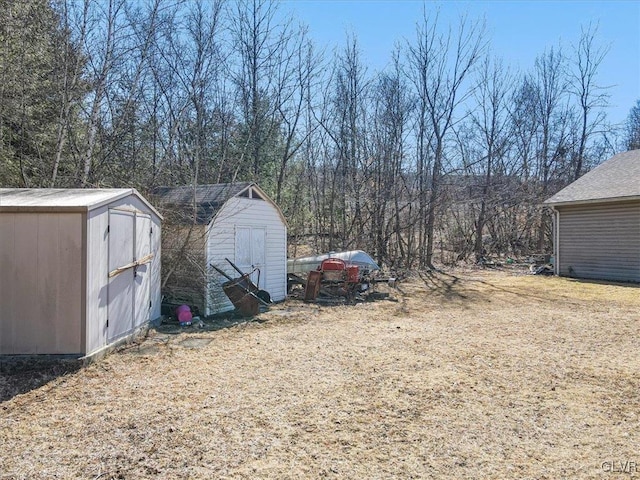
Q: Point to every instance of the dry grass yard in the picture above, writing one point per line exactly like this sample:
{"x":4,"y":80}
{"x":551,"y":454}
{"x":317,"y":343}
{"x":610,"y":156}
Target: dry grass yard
{"x":477,"y":375}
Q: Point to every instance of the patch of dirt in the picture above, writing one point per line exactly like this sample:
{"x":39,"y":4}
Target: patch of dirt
{"x":474,"y":374}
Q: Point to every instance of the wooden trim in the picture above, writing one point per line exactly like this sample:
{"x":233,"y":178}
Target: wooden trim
{"x":84,"y":218}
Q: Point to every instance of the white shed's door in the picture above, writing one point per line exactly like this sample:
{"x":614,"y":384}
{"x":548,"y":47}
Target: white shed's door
{"x":250,"y":251}
{"x":120,"y":293}
{"x":129,"y":290}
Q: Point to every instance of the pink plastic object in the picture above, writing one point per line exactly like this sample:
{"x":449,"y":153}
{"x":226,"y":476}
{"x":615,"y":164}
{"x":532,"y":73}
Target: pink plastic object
{"x":183,"y":312}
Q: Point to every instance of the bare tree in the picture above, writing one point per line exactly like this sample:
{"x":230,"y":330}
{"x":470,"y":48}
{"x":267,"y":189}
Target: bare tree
{"x":293,"y":100}
{"x":262,"y":78}
{"x":349,"y":134}
{"x":552,"y":110}
{"x":591,"y":96}
{"x":99,"y":46}
{"x":493,"y":126}
{"x":342,"y":175}
{"x":439,"y":66}
{"x":391,"y":226}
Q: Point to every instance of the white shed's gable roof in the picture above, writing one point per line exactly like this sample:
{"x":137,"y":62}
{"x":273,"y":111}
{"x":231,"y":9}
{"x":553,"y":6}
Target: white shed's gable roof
{"x":208,"y":199}
{"x":614,"y":180}
{"x":64,"y":199}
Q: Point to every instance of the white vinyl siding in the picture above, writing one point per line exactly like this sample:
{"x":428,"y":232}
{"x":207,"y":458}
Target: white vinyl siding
{"x":600,"y":241}
{"x":252,"y":215}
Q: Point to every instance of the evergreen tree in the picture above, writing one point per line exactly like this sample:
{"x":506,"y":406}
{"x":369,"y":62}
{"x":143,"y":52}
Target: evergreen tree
{"x":39,"y":81}
{"x":633,"y":127}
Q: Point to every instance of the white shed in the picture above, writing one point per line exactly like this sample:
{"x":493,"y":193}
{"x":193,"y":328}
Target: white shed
{"x":79,"y":269}
{"x":236,"y":221}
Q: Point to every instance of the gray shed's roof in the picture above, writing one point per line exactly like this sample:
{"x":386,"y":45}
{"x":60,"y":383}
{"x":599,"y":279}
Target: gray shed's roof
{"x":208,"y":198}
{"x":63,"y":199}
{"x":616,"y":179}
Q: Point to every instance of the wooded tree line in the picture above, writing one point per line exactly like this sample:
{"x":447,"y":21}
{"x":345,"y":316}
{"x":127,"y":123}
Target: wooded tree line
{"x":443,"y":156}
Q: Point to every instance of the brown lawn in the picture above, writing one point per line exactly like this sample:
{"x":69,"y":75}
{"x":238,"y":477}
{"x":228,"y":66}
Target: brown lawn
{"x":477,"y":375}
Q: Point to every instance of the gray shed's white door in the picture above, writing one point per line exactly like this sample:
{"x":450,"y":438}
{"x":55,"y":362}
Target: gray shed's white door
{"x":120,"y":293}
{"x":142,"y":273}
{"x":250,"y":251}
{"x":129,"y":290}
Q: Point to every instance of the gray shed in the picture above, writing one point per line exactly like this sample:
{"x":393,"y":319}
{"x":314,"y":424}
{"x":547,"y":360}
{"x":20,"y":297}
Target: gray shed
{"x":80,"y":269}
{"x":597,"y":222}
{"x":210,"y":223}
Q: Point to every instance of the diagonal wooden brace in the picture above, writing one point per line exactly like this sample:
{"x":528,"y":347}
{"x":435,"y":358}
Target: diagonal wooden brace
{"x":136,"y":263}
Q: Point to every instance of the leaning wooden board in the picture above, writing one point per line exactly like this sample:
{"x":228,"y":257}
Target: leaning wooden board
{"x":136,"y":263}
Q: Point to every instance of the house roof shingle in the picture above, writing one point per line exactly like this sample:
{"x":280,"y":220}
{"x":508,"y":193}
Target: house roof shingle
{"x":616,"y":179}
{"x":208,"y":198}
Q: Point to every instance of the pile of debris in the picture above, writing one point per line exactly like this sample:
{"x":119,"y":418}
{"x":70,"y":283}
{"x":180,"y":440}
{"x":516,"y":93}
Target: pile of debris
{"x":342,"y":276}
{"x":331,"y":278}
{"x":541,"y":264}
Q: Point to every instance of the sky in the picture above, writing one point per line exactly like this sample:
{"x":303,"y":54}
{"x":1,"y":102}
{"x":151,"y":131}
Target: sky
{"x":518,"y":31}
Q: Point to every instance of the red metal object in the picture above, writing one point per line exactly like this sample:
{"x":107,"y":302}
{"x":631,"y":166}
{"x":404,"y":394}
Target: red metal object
{"x":333,"y":264}
{"x":333,"y":277}
{"x":333,"y":270}
{"x":242,"y":293}
{"x":312,"y":288}
{"x":353,"y":274}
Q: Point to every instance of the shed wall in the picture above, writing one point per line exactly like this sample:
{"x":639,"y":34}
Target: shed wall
{"x":41,"y":278}
{"x":221,"y":244}
{"x":600,"y":241}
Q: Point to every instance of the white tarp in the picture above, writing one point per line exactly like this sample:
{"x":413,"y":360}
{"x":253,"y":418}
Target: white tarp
{"x":303,"y":265}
